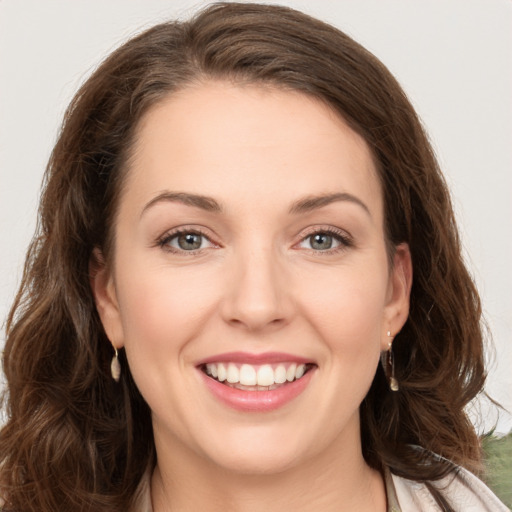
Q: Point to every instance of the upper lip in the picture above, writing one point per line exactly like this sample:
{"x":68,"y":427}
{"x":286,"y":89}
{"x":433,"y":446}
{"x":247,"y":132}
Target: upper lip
{"x":254,"y":359}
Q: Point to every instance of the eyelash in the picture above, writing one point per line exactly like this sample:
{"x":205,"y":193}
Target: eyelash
{"x":345,"y":240}
{"x":342,"y":237}
{"x":163,"y":242}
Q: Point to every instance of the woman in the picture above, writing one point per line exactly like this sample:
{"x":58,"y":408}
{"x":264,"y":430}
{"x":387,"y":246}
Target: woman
{"x":231,"y":220}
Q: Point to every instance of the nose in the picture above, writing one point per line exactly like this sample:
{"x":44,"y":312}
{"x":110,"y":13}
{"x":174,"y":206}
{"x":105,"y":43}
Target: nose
{"x":257,"y":293}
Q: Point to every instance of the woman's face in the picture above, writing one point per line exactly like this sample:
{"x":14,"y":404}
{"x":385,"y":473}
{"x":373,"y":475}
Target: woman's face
{"x":249,"y":245}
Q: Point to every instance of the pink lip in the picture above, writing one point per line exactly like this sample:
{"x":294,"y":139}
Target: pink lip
{"x":255,"y":359}
{"x":257,"y":401}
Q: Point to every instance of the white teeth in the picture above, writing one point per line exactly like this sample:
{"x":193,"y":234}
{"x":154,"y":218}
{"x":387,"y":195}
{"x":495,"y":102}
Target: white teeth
{"x":247,"y":375}
{"x":299,"y":372}
{"x":250,"y":376}
{"x":265,"y":375}
{"x":211,"y":369}
{"x":280,"y":374}
{"x":221,"y":372}
{"x":290,"y":373}
{"x":233,"y":374}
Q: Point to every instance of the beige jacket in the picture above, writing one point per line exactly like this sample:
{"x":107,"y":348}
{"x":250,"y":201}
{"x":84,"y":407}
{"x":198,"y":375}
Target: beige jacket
{"x":464,"y":491}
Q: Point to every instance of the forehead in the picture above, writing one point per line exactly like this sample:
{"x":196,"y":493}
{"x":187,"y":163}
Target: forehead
{"x":249,"y":142}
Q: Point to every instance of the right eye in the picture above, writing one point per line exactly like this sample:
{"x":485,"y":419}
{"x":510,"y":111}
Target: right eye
{"x":326,"y":240}
{"x":321,"y":241}
{"x":185,"y":241}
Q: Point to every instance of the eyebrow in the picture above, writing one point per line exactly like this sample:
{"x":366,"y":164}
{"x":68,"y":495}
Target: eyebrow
{"x":203,"y":202}
{"x":314,"y":202}
{"x":209,"y":204}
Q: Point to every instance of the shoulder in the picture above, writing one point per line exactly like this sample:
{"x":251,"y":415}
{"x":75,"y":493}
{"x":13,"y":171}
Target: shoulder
{"x":463,"y":490}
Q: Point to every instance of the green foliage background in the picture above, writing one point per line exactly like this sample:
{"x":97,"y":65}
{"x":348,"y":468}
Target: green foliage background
{"x":498,"y":458}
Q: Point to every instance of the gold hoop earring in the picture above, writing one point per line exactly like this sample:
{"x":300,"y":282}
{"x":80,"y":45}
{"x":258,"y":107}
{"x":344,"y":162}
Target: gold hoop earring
{"x":115,"y":366}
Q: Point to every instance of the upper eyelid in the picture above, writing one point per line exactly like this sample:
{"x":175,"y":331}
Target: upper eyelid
{"x":346,"y":240}
{"x":173,"y":233}
{"x":331,"y":230}
{"x":180,"y":230}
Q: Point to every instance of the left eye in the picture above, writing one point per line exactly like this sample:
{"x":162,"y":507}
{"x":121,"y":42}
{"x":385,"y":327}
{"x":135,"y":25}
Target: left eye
{"x":189,"y":241}
{"x":321,"y":242}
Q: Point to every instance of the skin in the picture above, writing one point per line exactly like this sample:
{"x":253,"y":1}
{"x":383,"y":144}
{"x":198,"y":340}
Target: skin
{"x":256,"y":285}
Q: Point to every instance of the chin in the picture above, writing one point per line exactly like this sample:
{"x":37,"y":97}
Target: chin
{"x":257,"y":464}
{"x":260,"y":453}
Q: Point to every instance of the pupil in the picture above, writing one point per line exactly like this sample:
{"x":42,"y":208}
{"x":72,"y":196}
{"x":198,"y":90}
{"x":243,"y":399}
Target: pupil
{"x":190,"y":241}
{"x":321,"y":242}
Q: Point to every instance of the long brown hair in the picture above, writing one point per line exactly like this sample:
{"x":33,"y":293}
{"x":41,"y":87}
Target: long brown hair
{"x":74,"y":439}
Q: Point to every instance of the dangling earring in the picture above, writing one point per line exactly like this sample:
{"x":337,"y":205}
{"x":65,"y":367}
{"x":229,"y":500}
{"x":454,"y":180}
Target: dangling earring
{"x":390,"y":366}
{"x":115,"y":366}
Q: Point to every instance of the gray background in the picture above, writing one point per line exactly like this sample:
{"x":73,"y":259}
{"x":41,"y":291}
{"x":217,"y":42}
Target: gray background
{"x":454,"y":59}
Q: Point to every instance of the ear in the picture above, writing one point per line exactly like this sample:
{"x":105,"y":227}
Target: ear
{"x":399,"y":293}
{"x":104,"y":292}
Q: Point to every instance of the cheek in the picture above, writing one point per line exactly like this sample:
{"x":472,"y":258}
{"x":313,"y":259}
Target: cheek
{"x":163,"y":310}
{"x":348,"y":298}
{"x":346,"y":308}
{"x":163,"y":307}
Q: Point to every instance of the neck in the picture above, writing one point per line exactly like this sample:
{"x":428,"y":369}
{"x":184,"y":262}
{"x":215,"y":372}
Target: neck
{"x":337,"y":479}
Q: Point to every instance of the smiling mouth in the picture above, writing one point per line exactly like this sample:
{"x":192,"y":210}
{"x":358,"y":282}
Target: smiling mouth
{"x":248,"y":377}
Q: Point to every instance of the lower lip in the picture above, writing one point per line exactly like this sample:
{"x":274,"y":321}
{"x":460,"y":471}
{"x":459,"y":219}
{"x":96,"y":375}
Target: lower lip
{"x":257,"y":401}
